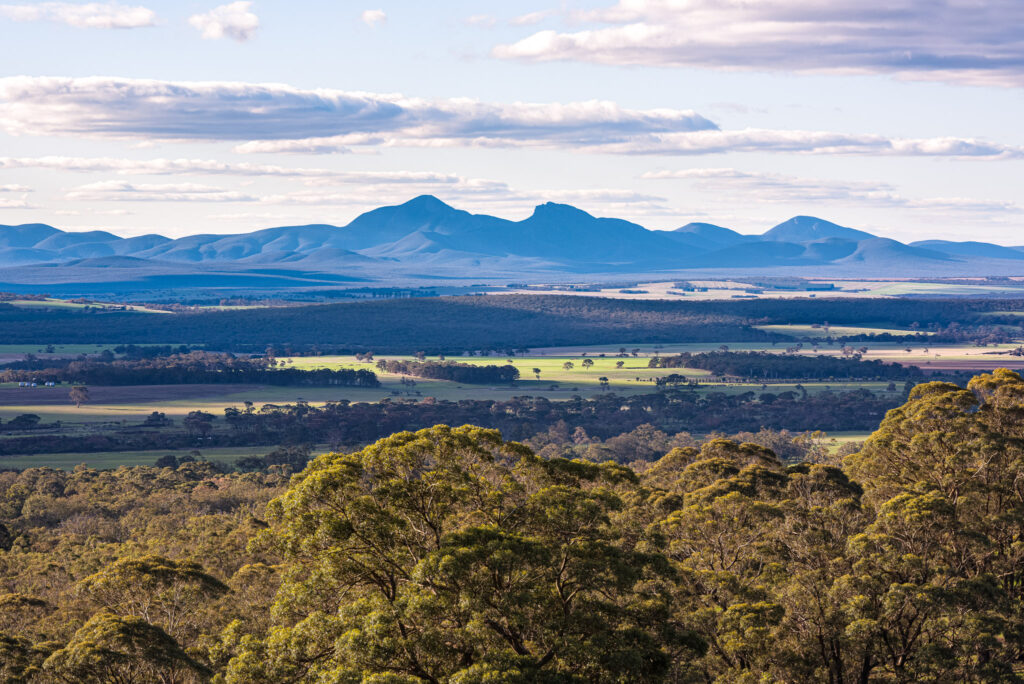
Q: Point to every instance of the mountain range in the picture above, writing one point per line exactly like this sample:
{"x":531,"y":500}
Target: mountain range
{"x":426,"y":239}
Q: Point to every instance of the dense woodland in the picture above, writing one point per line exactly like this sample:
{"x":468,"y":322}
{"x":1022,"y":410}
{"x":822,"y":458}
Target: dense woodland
{"x":176,"y":369}
{"x":455,"y":372}
{"x":766,"y":366}
{"x":452,"y":555}
{"x":346,"y":424}
{"x":507,"y":322}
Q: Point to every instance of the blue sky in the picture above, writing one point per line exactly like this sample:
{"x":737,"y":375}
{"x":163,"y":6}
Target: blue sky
{"x":899,"y":117}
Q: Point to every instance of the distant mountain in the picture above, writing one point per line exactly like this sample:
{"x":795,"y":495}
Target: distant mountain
{"x":28,"y":235}
{"x":808,"y":228}
{"x":708,"y":236}
{"x":425,"y":238}
{"x":883,"y":251}
{"x":984,"y":250}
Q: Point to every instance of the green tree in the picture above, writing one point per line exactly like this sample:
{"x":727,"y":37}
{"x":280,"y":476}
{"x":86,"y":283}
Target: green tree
{"x":123,"y":650}
{"x":451,"y":555}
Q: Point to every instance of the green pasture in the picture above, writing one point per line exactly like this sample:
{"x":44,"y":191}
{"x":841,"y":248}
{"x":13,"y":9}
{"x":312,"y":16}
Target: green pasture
{"x":835,"y":440}
{"x":633,"y":376}
{"x":797,"y":330}
{"x":112,"y":408}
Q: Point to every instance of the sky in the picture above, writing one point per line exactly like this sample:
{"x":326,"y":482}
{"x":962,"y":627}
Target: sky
{"x":899,"y":117}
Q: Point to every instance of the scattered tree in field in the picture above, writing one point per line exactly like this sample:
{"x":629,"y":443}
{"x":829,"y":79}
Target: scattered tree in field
{"x":620,"y":364}
{"x":604,"y":382}
{"x":536,"y":373}
{"x":568,"y":365}
{"x":199,"y":423}
{"x":587,"y":364}
{"x":79,"y":394}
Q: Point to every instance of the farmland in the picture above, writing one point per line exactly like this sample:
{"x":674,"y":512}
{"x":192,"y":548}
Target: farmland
{"x":565,"y":349}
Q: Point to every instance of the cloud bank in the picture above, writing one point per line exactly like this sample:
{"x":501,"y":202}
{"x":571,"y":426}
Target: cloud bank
{"x":266,"y":118}
{"x":93,"y":15}
{"x":242,"y":111}
{"x":773,"y":187}
{"x":957,"y":41}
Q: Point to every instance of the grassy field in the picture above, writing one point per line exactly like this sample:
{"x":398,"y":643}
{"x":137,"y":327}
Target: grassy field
{"x":833,"y":330}
{"x":114,"y":407}
{"x":51,"y":303}
{"x":837,"y":440}
{"x":555,"y":382}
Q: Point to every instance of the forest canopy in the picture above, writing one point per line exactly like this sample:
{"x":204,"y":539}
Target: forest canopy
{"x":453,"y":555}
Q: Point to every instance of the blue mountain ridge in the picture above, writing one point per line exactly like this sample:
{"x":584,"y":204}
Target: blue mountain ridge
{"x":427,"y":235}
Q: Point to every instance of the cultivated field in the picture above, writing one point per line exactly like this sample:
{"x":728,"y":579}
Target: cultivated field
{"x":711,"y":289}
{"x":594,"y":370}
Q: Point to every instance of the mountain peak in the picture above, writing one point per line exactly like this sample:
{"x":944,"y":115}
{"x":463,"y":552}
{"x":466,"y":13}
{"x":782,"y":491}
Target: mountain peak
{"x":810,"y":228}
{"x":562,"y":212}
{"x":427,"y":203}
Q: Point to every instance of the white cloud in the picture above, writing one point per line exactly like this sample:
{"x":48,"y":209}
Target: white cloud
{"x":809,"y":142}
{"x":373,"y":17}
{"x":93,"y":212}
{"x":265,"y":118}
{"x":110,"y":15}
{"x":160,"y":167}
{"x":485,"y":20}
{"x":149,"y":109}
{"x":752,"y":186}
{"x":950,"y":40}
{"x":531,"y":18}
{"x":363,"y":190}
{"x":121,"y":191}
{"x":9,"y":203}
{"x":234,"y":20}
{"x":15,"y":188}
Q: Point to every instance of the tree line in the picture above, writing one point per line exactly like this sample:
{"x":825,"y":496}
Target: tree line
{"x":468,"y":373}
{"x":193,"y":367}
{"x":766,"y":366}
{"x":348,"y":424}
{"x":455,"y":556}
